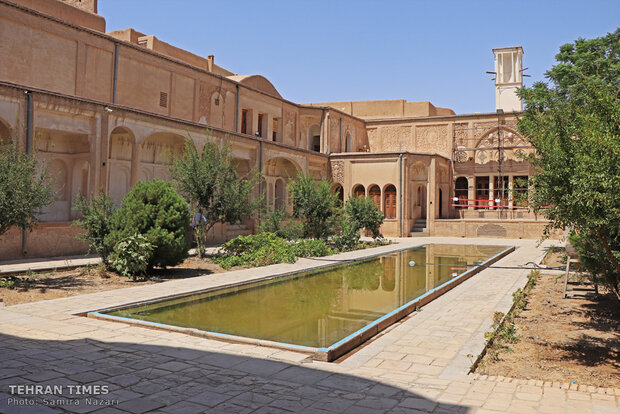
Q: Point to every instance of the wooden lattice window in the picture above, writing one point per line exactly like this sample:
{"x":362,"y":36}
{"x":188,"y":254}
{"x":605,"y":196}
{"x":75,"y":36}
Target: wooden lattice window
{"x":389,"y":206}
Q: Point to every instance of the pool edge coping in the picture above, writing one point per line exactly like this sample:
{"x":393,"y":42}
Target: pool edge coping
{"x":328,"y":354}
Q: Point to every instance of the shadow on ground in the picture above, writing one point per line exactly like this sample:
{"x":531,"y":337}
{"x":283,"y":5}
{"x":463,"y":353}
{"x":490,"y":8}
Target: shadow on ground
{"x":156,"y":378}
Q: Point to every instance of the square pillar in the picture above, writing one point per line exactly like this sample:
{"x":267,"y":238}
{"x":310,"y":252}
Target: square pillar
{"x":491,"y":190}
{"x":510,"y":190}
{"x":431,"y":198}
{"x":135,"y":163}
{"x":471,"y":191}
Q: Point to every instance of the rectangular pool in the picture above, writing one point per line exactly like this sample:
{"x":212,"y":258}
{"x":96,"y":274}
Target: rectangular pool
{"x":316,"y":310}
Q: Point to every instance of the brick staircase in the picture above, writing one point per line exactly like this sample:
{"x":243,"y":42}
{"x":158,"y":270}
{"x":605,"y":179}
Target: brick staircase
{"x":419,"y":228}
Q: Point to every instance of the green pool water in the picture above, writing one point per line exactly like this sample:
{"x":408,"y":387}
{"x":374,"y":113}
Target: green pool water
{"x":321,"y":307}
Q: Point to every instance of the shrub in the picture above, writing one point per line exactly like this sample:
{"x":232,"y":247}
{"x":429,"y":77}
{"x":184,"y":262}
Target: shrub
{"x":267,"y":248}
{"x":256,"y":250}
{"x":156,"y":211}
{"x":359,"y":213}
{"x":276,"y":221}
{"x":311,"y":248}
{"x":96,"y":215}
{"x":132,"y":255}
{"x":315,"y":203}
{"x":349,"y":236}
{"x":364,"y":214}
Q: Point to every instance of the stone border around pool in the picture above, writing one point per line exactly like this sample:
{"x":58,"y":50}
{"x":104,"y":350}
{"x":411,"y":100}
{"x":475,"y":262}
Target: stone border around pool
{"x":329,"y":354}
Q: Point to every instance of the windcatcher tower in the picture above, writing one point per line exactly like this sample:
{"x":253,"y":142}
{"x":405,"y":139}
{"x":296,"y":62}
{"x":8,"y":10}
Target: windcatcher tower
{"x":508,"y":77}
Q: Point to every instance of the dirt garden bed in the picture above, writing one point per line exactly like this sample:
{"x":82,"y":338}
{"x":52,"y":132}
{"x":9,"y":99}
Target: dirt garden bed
{"x":33,"y":287}
{"x":566,"y":340}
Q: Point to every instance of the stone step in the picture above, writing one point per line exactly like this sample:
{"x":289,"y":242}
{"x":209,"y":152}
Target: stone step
{"x":419,"y":233}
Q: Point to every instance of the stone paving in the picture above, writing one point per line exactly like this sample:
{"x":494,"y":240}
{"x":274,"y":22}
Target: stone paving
{"x":418,"y":365}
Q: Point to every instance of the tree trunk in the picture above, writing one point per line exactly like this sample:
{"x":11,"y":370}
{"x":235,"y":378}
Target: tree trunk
{"x":611,"y":257}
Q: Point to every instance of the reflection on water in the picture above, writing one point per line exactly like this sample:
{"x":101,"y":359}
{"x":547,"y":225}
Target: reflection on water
{"x":317,"y":308}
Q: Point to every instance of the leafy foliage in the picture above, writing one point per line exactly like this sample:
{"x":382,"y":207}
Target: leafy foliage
{"x":574,"y":125}
{"x":132,"y":255}
{"x":359,"y":213}
{"x":276,"y":221}
{"x":209,"y":181}
{"x":316,"y":204}
{"x":157,"y":212}
{"x":267,"y":248}
{"x":25,"y":188}
{"x":311,"y":248}
{"x":256,"y":250}
{"x":96,"y":215}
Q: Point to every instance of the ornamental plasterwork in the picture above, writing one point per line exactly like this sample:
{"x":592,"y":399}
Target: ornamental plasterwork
{"x":338,"y":172}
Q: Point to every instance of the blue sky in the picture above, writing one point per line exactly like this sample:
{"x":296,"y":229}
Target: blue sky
{"x":321,"y":50}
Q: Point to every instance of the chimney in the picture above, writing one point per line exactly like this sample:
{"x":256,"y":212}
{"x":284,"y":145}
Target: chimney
{"x":210,"y":59}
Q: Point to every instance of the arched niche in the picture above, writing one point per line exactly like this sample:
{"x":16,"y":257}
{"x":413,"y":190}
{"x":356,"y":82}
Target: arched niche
{"x":119,"y":162}
{"x":348,"y":144}
{"x":281,"y":167}
{"x":121,"y":144}
{"x":59,"y":175}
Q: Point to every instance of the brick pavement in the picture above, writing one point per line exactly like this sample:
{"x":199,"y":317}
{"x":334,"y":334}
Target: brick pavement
{"x":417,"y":365}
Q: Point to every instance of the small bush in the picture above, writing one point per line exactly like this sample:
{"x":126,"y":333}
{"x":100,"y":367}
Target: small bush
{"x":96,"y":215}
{"x":277,"y":222}
{"x":363,"y":213}
{"x":311,"y":248}
{"x":349,"y":237}
{"x":267,"y":248}
{"x":156,"y":211}
{"x":132,"y":256}
{"x":256,"y":250}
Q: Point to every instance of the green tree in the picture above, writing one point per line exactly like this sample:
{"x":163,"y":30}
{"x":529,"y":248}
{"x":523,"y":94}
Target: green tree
{"x":364,"y":214}
{"x":156,"y":211}
{"x":574,"y":125}
{"x":358,"y":213}
{"x":25,"y":188}
{"x":217,"y":193}
{"x":316,"y":205}
{"x":96,"y":215}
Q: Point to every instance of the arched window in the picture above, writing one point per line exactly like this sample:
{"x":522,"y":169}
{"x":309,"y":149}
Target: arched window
{"x":460,"y":191}
{"x":347,"y":143}
{"x":359,"y":191}
{"x":389,"y":202}
{"x":374,"y":192}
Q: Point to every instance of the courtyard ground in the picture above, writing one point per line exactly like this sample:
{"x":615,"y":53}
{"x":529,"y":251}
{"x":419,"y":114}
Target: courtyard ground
{"x":419,"y":365}
{"x":34,"y":286}
{"x":575,"y":339}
